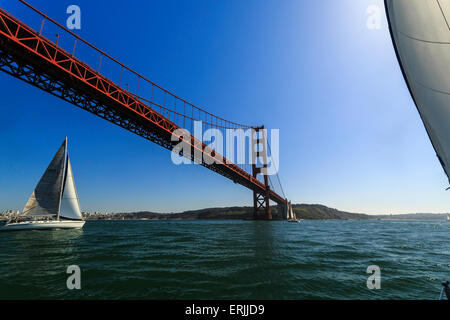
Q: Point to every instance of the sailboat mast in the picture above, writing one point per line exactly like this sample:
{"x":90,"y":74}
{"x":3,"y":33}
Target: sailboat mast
{"x":63,"y":180}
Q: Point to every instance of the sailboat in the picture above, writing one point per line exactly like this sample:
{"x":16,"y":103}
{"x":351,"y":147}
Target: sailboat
{"x":54,"y":202}
{"x":291,"y":216}
{"x":448,"y":217}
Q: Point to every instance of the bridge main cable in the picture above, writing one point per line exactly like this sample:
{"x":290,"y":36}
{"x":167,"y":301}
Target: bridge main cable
{"x":238,"y":125}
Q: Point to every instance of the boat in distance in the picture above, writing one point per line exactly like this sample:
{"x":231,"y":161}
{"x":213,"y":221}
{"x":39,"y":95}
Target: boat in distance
{"x":54,"y":202}
{"x":291,"y":216}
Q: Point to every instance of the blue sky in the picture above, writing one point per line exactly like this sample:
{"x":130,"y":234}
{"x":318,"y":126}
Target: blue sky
{"x":351,"y":137}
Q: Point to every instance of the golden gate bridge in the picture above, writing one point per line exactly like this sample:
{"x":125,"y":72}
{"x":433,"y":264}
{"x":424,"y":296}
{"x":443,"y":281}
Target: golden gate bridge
{"x":130,"y":101}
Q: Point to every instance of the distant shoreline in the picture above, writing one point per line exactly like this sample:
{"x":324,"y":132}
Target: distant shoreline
{"x":224,"y":219}
{"x":302,"y":211}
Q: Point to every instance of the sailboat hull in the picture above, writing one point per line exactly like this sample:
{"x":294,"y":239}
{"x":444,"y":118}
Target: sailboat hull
{"x":43,"y":225}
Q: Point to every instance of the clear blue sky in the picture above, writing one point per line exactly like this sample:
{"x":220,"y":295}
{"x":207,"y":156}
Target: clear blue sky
{"x":351,"y":137}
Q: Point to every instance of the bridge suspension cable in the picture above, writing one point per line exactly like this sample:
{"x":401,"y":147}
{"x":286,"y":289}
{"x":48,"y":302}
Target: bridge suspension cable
{"x":172,"y":106}
{"x":276,"y":169}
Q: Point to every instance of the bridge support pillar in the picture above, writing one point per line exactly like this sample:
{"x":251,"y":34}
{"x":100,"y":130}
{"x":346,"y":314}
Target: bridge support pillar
{"x":261,"y":201}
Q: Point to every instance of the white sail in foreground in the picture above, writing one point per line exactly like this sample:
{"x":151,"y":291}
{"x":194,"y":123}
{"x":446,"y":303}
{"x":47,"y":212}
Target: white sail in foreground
{"x":54,"y":196}
{"x":420,"y":31}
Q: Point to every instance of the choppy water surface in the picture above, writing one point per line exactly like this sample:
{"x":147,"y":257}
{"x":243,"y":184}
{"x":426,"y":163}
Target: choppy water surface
{"x":228,"y":260}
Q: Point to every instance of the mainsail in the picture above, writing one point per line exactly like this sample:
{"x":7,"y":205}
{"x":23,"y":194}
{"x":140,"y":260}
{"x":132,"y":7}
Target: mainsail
{"x":55,"y":194}
{"x":420,"y":31}
{"x":290,"y":213}
{"x":293,"y":216}
{"x":45,"y":199}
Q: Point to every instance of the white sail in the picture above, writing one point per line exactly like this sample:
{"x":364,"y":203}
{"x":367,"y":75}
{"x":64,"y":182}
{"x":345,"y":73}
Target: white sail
{"x":292,"y":214}
{"x":289,"y":212}
{"x":45,"y":199}
{"x":70,"y":207}
{"x":420,"y":31}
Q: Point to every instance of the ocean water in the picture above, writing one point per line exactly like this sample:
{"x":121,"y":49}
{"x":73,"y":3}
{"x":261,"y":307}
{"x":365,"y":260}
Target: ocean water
{"x":228,"y":260}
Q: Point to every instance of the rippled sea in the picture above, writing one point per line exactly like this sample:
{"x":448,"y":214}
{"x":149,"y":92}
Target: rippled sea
{"x":228,"y":260}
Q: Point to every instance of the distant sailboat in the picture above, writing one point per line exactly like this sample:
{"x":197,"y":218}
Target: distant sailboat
{"x":54,"y":203}
{"x":448,"y":217}
{"x":421,"y":38}
{"x":291,"y":216}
